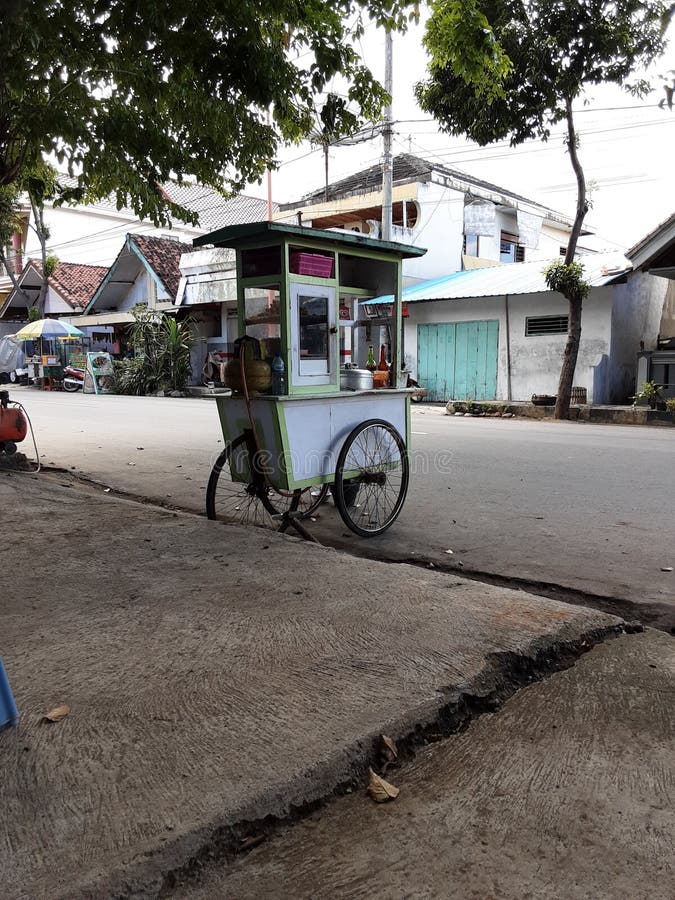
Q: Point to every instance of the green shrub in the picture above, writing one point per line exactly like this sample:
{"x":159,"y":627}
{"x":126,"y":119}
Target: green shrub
{"x":162,"y":360}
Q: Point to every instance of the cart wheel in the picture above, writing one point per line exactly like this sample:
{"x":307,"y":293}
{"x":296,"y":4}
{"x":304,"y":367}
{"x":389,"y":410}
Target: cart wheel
{"x":236,"y":501}
{"x":371,"y":477}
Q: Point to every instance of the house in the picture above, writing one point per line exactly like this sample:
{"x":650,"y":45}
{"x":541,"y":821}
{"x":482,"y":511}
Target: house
{"x":91,"y":233}
{"x":145,"y":271}
{"x":207,"y":292}
{"x":499,"y":333}
{"x":462,"y":222}
{"x":71,"y":287}
{"x":652,"y":287}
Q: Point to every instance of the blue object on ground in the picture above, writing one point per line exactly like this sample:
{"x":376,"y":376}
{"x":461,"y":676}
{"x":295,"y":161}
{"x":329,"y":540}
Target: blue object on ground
{"x":9,"y":714}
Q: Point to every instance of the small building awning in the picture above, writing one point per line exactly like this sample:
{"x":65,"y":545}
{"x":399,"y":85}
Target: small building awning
{"x":113,"y":317}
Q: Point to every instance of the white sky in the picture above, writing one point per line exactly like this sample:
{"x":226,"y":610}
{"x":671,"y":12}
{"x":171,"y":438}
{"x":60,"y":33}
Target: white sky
{"x":627,"y":152}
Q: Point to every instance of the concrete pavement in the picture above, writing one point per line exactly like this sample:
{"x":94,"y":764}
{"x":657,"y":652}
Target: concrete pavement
{"x":218,"y":676}
{"x":566,"y":793}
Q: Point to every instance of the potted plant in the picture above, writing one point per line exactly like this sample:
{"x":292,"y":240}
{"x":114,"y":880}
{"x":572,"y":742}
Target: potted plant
{"x":650,"y":394}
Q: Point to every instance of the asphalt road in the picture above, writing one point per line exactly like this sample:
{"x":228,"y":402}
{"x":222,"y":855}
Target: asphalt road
{"x":586,"y":507}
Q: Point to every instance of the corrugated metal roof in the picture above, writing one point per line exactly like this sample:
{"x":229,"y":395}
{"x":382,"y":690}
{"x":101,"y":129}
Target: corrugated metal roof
{"x":214,"y":210}
{"x":509,"y":278}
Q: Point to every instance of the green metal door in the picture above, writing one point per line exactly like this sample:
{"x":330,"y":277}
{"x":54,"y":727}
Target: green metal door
{"x":458,"y":360}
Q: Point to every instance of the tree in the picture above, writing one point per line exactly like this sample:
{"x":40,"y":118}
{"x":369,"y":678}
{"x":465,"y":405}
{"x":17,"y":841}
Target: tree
{"x":38,"y":184}
{"x":129,"y":94}
{"x":513,"y":69}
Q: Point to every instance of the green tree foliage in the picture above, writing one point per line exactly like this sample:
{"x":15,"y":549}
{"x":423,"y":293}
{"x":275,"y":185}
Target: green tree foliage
{"x":129,"y":94}
{"x":512,"y":69}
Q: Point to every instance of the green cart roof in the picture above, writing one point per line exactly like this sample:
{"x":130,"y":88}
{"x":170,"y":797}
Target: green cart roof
{"x":236,"y":235}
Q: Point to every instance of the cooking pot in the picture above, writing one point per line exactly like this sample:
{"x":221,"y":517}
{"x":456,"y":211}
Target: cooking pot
{"x":353,"y":379}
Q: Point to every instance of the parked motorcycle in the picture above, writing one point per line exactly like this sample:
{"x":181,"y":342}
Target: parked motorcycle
{"x":73,"y":379}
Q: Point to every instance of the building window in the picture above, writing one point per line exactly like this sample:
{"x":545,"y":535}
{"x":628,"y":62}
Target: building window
{"x":509,"y":249}
{"x":471,"y":246}
{"x":405,"y":214}
{"x":535,"y":325}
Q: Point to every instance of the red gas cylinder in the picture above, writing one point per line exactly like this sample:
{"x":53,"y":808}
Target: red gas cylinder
{"x":13,"y":426}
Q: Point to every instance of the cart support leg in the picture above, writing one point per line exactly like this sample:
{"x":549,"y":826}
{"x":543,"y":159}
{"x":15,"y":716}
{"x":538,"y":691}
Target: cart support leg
{"x":292,"y":519}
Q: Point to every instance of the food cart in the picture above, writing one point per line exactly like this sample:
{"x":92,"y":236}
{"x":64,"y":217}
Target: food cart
{"x":291,"y":434}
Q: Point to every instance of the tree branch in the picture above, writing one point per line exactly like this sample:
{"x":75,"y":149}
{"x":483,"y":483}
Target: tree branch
{"x":582,"y":203}
{"x":9,"y":269}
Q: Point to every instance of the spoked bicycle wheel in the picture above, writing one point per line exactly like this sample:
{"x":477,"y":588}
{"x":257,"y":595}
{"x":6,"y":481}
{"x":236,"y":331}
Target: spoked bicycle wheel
{"x":371,"y":477}
{"x":241,"y":502}
{"x":252,"y":502}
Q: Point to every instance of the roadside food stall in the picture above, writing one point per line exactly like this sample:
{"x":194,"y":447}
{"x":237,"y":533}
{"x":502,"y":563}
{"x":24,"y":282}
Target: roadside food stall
{"x":297,"y":421}
{"x":45,"y":368}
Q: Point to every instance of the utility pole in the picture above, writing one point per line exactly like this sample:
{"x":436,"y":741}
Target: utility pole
{"x":387,"y":168}
{"x":269,"y":181}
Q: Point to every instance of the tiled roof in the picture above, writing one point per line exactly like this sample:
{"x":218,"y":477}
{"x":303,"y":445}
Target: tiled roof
{"x":214,"y":210}
{"x":163,"y":256}
{"x":406,"y":168}
{"x":76,"y":283}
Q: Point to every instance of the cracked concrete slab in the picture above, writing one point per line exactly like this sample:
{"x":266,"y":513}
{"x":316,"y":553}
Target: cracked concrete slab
{"x":567,"y":793}
{"x":216,"y":675}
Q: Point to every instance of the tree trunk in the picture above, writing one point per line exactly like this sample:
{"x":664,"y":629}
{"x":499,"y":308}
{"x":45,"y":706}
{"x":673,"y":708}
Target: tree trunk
{"x":41,"y":232}
{"x":562,"y":403}
{"x":562,"y":406}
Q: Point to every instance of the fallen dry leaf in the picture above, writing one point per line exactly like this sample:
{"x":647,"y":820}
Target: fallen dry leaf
{"x":380,"y":790}
{"x":389,"y":748}
{"x":251,"y":841}
{"x":56,"y":714}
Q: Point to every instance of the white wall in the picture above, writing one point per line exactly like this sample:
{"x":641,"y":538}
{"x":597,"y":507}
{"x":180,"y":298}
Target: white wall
{"x":139,"y":292}
{"x":54,"y":303}
{"x":95,"y":237}
{"x":636,"y":316}
{"x":440,"y":229}
{"x":535,"y":361}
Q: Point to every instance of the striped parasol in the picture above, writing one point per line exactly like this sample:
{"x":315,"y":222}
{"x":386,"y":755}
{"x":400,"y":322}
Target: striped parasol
{"x":49,"y":329}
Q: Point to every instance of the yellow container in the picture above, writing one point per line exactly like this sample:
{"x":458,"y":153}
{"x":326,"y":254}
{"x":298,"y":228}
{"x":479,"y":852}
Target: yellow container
{"x":258,"y":375}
